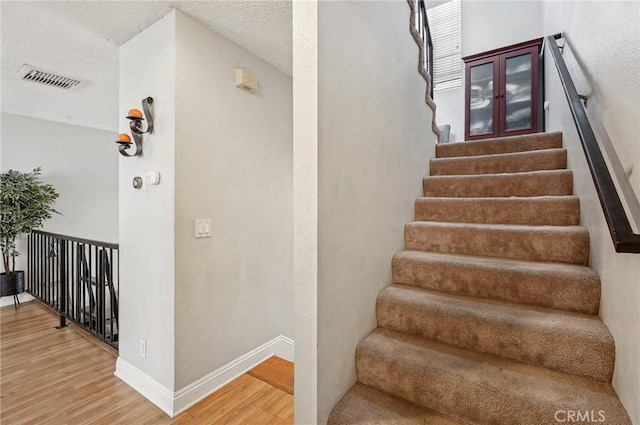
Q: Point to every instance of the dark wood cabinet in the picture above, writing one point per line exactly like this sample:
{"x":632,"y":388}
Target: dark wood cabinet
{"x":503,"y":93}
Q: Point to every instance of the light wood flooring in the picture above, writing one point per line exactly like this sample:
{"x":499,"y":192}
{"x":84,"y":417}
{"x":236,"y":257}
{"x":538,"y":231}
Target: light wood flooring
{"x":61,"y":377}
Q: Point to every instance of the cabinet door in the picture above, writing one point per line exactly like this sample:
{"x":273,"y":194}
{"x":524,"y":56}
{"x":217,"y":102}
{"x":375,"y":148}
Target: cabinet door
{"x":480,"y":99}
{"x":518,"y":91}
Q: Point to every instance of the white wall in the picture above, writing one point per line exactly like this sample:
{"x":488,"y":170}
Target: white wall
{"x":604,"y":37}
{"x":147,"y":68}
{"x":374,"y":145}
{"x":80,"y":162}
{"x":620,"y":273}
{"x":223,"y":154}
{"x":487,"y":25}
{"x":305,"y":208}
{"x":450,"y":110}
{"x":234,"y":163}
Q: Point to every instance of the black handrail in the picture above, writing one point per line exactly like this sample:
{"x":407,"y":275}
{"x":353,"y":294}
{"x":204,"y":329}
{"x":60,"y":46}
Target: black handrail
{"x":425,"y":32}
{"x":622,"y":235}
{"x":78,"y":278}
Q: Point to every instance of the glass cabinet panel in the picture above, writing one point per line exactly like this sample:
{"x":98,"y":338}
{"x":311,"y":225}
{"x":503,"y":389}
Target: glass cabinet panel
{"x":481,"y":99}
{"x":518,"y":92}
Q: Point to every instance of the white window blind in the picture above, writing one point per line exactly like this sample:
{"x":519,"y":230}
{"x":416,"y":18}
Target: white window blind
{"x":445,"y":24}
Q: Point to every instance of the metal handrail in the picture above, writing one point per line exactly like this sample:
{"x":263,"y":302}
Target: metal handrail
{"x":622,"y":235}
{"x":425,"y":32}
{"x":79,"y":240}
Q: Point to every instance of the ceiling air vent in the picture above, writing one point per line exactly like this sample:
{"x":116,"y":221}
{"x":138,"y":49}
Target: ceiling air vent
{"x":28,"y":73}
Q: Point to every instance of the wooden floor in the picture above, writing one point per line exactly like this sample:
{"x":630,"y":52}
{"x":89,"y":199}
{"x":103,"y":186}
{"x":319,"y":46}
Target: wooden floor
{"x":57,"y":377}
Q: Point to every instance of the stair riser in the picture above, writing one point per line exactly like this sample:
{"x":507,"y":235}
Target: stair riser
{"x":554,"y":159}
{"x":449,"y":386}
{"x":546,"y":244}
{"x":561,"y":211}
{"x":579,"y":292}
{"x":560,"y":348}
{"x":556,"y":183}
{"x":365,"y":405}
{"x":503,"y":145}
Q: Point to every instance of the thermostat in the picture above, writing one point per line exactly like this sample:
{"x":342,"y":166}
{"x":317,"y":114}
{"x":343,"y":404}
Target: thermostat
{"x":137,"y":182}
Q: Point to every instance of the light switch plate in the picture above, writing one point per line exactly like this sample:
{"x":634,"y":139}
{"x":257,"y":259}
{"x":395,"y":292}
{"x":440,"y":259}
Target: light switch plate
{"x":203,"y":228}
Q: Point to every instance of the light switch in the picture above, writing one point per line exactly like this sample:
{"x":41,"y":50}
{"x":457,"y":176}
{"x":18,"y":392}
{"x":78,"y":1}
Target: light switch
{"x":203,"y":228}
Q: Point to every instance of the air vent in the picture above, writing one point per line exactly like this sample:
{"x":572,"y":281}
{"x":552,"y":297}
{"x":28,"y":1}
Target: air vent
{"x":30,"y":74}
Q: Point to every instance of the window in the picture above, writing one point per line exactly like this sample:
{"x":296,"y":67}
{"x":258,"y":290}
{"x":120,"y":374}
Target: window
{"x":445,"y":24}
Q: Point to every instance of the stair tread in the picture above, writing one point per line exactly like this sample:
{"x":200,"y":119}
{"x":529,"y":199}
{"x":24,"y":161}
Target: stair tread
{"x":526,"y":143}
{"x":503,"y":227}
{"x":534,"y":210}
{"x":525,"y":174}
{"x":445,"y":378}
{"x":520,"y":184}
{"x":564,"y":244}
{"x":563,"y":286}
{"x":499,"y":163}
{"x":366,"y":405}
{"x":535,"y":267}
{"x":574,"y":343}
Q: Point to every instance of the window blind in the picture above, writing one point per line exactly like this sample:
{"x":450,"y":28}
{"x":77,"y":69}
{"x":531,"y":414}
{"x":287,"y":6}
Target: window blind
{"x":445,"y":24}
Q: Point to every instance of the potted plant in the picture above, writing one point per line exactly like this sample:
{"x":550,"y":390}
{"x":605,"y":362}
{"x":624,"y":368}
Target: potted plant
{"x":25,"y":203}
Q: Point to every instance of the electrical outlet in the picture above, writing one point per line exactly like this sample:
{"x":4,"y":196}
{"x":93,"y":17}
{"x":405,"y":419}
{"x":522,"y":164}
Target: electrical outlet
{"x":143,"y":348}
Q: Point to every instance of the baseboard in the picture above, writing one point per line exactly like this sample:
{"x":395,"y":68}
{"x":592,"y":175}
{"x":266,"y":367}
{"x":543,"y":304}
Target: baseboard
{"x":151,"y":389}
{"x":174,"y":403}
{"x":23,"y":298}
{"x":280,"y":346}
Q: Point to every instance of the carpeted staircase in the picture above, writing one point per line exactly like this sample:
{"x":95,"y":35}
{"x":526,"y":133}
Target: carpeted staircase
{"x":492,"y":317}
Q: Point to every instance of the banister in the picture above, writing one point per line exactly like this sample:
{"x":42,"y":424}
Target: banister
{"x":79,"y":240}
{"x":427,"y":35}
{"x":622,"y":235}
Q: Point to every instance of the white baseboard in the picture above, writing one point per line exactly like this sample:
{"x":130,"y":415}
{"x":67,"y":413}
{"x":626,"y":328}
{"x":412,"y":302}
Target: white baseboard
{"x":174,"y":403}
{"x":23,"y":298}
{"x":151,"y":389}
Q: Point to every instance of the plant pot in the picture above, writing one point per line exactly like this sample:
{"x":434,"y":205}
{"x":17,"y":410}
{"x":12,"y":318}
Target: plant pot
{"x":12,"y":284}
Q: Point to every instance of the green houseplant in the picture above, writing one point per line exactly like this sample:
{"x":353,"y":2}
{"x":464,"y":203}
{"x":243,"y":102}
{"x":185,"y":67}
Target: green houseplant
{"x":25,"y":203}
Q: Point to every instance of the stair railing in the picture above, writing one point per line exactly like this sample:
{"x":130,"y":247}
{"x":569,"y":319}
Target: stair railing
{"x":425,"y":34}
{"x":78,"y":278}
{"x":419,"y":28}
{"x":622,"y":235}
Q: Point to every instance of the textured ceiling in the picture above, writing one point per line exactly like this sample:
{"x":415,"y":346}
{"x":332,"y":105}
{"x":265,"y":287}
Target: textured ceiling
{"x":80,"y":39}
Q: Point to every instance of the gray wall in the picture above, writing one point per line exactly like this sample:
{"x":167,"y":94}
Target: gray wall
{"x":223,"y":154}
{"x":234,"y":164}
{"x":82,"y":164}
{"x":604,"y":61}
{"x":372,"y":144}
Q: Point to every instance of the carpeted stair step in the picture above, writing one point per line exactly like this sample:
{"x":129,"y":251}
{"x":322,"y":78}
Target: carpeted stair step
{"x":499,"y":145}
{"x":536,"y":210}
{"x":533,"y":183}
{"x":363,"y":405}
{"x":573,"y":343}
{"x":546,"y":159}
{"x":478,"y":387}
{"x":563,"y":244}
{"x":553,"y":285}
